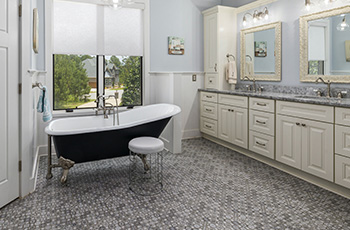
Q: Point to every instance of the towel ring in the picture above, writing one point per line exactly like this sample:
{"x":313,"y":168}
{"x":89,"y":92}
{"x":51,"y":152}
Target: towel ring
{"x":38,"y":85}
{"x":251,"y":59}
{"x":228,"y":57}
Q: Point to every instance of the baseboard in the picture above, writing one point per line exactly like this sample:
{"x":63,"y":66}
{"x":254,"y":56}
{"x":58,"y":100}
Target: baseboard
{"x":191,"y":133}
{"x":327,"y":185}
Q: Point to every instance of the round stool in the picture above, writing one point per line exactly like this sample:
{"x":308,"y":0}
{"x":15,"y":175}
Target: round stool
{"x":146,"y":165}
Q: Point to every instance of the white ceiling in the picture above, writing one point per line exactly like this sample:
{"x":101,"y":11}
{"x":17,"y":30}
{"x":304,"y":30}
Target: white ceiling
{"x":205,"y":4}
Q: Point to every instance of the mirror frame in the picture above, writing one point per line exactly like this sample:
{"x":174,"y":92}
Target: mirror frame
{"x":278,"y":51}
{"x":304,"y":44}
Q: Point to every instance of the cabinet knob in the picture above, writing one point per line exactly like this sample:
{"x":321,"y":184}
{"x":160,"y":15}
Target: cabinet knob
{"x":304,"y":125}
{"x":297,"y":123}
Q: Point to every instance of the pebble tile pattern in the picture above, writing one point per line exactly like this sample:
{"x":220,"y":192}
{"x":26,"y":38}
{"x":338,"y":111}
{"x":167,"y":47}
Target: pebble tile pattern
{"x":207,"y":186}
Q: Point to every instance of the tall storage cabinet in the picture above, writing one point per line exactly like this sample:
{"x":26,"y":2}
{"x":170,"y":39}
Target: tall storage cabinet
{"x":219,"y":40}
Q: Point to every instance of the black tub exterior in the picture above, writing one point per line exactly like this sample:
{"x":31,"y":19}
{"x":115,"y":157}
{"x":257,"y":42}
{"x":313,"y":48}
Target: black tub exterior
{"x":106,"y":144}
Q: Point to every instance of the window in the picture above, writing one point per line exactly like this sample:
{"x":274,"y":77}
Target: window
{"x":76,"y":80}
{"x":80,"y":48}
{"x":123,"y":77}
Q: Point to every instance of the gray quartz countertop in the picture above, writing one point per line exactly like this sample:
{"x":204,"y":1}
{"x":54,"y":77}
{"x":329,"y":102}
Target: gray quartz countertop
{"x":310,"y":99}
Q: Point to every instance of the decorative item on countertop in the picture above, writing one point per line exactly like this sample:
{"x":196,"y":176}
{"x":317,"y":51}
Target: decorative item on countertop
{"x":231,"y":71}
{"x":44,"y":103}
{"x":176,"y":46}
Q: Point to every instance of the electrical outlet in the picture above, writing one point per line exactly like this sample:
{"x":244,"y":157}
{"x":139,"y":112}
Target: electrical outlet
{"x":194,"y":77}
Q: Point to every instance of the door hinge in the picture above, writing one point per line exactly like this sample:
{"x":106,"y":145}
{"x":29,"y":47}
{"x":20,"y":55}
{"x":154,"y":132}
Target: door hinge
{"x":20,"y":166}
{"x":20,"y":88}
{"x":20,"y":10}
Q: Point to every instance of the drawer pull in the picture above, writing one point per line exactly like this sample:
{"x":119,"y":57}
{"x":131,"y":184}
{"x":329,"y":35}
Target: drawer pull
{"x":209,"y":96}
{"x":208,"y":126}
{"x":303,"y":125}
{"x":298,"y":124}
{"x":261,"y":122}
{"x":261,"y":104}
{"x":231,"y":110}
{"x":208,"y":110}
{"x":216,"y":67}
{"x":258,"y":143}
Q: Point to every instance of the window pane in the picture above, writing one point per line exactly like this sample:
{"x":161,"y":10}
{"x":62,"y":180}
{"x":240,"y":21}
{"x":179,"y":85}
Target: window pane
{"x":75,"y":81}
{"x":123,"y":78}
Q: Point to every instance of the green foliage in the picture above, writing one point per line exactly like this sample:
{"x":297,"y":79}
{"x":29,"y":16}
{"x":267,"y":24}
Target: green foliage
{"x":130,"y":77}
{"x":70,"y":79}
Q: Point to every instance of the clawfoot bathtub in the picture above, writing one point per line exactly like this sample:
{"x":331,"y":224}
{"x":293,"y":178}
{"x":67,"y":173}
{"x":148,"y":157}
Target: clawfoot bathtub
{"x":84,"y":139}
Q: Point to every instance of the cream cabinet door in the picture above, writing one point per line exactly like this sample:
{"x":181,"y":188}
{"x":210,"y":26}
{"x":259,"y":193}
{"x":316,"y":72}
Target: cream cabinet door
{"x":225,"y":122}
{"x":210,"y":43}
{"x":317,"y":149}
{"x":288,"y":141}
{"x":240,"y":127}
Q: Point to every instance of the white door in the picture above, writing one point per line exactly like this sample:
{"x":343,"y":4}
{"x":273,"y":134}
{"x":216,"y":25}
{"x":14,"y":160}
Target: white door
{"x":288,"y":141}
{"x":210,"y":43}
{"x":9,"y":103}
{"x":240,"y":127}
{"x":317,"y":149}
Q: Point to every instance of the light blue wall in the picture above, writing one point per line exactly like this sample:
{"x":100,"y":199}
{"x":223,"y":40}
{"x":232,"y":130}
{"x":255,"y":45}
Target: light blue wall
{"x":180,"y":18}
{"x":288,"y":12}
{"x":338,"y":45}
{"x":265,"y":64}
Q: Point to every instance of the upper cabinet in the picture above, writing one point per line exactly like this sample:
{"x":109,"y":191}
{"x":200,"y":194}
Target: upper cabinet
{"x":219,"y":40}
{"x":325,"y":46}
{"x":261,"y":52}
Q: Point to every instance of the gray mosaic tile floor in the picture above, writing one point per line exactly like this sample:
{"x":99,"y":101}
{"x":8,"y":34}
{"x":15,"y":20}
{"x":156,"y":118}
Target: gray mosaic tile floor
{"x":206,"y":187}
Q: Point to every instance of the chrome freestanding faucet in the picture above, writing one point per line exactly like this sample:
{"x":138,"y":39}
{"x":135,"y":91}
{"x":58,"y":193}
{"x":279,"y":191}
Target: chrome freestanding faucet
{"x":254,"y":85}
{"x":328,"y":83}
{"x":102,"y":106}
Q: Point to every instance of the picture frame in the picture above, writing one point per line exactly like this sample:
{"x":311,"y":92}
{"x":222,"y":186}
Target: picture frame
{"x":35,"y":30}
{"x":260,"y":49}
{"x":176,"y":46}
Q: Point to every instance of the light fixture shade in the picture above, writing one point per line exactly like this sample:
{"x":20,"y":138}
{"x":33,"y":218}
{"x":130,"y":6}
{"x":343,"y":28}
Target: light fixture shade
{"x":244,"y":21}
{"x":343,"y":25}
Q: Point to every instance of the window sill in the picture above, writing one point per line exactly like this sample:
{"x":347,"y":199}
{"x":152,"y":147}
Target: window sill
{"x":83,"y":113}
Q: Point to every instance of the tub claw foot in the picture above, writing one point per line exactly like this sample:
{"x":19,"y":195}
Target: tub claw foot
{"x":65,"y":164}
{"x":143,"y":158}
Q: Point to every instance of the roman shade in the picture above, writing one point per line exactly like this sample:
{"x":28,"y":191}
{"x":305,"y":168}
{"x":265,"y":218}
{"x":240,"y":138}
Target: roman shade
{"x":85,"y":28}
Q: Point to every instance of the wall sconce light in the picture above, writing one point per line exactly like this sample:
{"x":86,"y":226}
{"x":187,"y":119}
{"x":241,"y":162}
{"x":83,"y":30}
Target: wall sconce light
{"x":257,"y":15}
{"x":343,"y":26}
{"x":308,"y":3}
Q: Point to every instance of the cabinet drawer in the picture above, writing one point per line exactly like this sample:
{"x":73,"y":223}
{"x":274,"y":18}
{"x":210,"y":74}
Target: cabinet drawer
{"x":209,"y":126}
{"x":342,"y":116}
{"x":262,"y":104}
{"x":262,"y":122}
{"x":238,"y":101}
{"x":262,"y":144}
{"x":308,"y":111}
{"x":342,"y":140}
{"x":211,"y":81}
{"x":342,"y":171}
{"x":209,"y":110}
{"x":211,"y":97}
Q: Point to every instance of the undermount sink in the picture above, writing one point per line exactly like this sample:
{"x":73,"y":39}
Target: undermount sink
{"x":309,"y":96}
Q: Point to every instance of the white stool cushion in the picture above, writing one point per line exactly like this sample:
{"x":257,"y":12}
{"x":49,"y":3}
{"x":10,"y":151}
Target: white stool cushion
{"x":146,"y":145}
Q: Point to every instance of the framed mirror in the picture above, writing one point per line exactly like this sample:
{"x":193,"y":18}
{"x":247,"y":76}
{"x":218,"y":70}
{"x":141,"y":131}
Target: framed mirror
{"x":261,"y":52}
{"x":325,"y":46}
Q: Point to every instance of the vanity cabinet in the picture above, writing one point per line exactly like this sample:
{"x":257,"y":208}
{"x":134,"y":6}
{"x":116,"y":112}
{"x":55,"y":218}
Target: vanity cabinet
{"x":219,"y":40}
{"x":262,"y":126}
{"x":209,"y":113}
{"x":342,"y":147}
{"x":303,"y":143}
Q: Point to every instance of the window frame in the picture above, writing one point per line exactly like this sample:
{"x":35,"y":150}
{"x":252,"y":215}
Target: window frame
{"x":98,"y":79}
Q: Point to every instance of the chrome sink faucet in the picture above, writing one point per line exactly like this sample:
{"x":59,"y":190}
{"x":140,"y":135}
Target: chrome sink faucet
{"x":248,"y":79}
{"x":102,"y":106}
{"x":328,"y":83}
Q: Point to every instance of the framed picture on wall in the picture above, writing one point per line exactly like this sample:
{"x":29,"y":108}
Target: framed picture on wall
{"x":260,"y":49}
{"x":176,"y":46}
{"x":35,"y":30}
{"x":347,"y":50}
